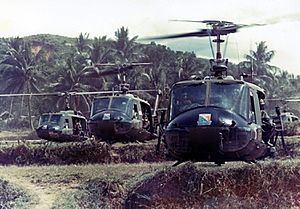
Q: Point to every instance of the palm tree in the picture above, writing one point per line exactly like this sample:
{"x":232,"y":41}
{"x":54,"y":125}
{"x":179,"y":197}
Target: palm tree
{"x":100,"y":51}
{"x":20,"y":69}
{"x":71,"y":79}
{"x":258,"y":64}
{"x":126,"y":47}
{"x":82,"y":43}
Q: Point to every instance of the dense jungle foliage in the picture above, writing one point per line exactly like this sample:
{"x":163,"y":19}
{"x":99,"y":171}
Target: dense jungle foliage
{"x":51,"y":63}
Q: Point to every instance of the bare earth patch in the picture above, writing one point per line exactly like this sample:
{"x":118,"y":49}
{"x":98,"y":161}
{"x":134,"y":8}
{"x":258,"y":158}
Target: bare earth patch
{"x":43,"y":196}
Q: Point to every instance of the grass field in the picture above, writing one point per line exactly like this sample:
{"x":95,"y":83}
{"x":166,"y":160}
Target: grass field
{"x":132,"y":176}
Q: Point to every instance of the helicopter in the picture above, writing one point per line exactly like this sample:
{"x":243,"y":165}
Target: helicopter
{"x":288,"y":116}
{"x":62,"y":126}
{"x":217,"y":118}
{"x":122,"y":116}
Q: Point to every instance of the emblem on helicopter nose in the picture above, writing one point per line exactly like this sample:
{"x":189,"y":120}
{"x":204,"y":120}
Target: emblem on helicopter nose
{"x":204,"y":119}
{"x":106,"y":116}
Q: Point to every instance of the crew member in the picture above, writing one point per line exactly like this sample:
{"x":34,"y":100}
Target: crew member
{"x":267,"y":124}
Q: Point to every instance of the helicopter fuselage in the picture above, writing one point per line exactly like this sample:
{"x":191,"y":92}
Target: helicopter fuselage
{"x":121,"y":118}
{"x":62,"y":126}
{"x":220,"y":122}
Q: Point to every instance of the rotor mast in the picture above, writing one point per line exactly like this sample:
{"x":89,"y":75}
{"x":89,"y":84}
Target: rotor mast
{"x":218,"y":65}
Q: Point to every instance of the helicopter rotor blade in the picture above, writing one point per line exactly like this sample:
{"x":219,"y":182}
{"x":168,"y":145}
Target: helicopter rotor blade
{"x":209,"y":22}
{"x":32,"y":94}
{"x":93,"y":92}
{"x":219,"y":23}
{"x":143,"y":90}
{"x":110,"y":92}
{"x":291,"y":99}
{"x":123,"y":65}
{"x":118,"y":68}
{"x":201,"y":33}
{"x":216,"y":28}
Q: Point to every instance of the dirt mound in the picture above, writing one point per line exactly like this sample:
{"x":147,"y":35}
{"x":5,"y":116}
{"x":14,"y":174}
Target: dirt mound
{"x":189,"y":186}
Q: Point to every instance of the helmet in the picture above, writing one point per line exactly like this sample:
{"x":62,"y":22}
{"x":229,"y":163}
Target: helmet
{"x":261,"y":102}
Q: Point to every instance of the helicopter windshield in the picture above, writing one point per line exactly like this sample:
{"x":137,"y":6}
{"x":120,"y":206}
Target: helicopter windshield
{"x":100,"y":104}
{"x":232,"y":96}
{"x":187,"y":97}
{"x":119,"y":103}
{"x":55,"y":118}
{"x":44,"y":119}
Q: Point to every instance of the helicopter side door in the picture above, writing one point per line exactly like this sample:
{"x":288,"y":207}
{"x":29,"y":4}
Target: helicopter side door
{"x":67,"y":126}
{"x":255,"y":114}
{"x":147,"y":117}
{"x":137,"y":117}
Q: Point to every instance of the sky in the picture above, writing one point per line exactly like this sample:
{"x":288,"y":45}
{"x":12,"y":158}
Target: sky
{"x":152,"y":18}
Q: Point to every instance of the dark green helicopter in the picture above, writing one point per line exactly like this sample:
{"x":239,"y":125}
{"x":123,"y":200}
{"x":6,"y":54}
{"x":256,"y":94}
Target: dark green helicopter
{"x":66,"y":125}
{"x":122,"y":116}
{"x":217,"y":118}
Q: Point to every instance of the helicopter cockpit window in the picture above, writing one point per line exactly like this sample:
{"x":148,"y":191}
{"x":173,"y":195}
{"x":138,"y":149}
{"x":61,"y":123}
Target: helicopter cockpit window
{"x":187,"y":97}
{"x":44,"y":119}
{"x":55,"y":118}
{"x":119,"y":103}
{"x":233,"y":96}
{"x":100,"y":104}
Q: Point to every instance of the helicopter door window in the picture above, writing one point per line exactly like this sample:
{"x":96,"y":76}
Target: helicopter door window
{"x":135,"y":111}
{"x":146,"y":112}
{"x":252,"y":109}
{"x":294,"y":119}
{"x":66,"y":125}
{"x":77,"y":127}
